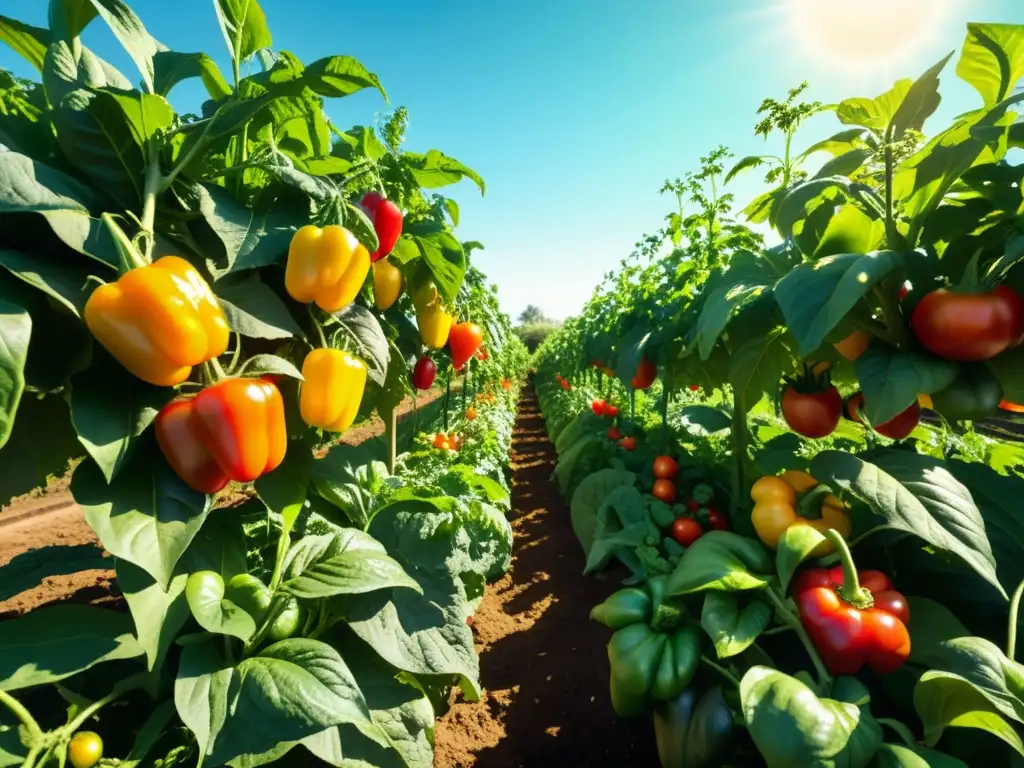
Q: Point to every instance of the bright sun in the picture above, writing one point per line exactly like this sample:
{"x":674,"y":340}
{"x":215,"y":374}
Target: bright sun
{"x":866,"y":34}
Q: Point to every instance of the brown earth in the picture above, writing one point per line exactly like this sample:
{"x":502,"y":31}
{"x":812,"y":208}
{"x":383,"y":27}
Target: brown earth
{"x":543,"y":663}
{"x":49,"y":517}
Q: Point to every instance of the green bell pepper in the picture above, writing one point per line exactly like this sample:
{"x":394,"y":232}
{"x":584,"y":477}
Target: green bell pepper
{"x":251,"y":595}
{"x":692,"y":733}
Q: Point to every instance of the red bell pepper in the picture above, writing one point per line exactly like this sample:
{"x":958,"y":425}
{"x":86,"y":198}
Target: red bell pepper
{"x":233,"y":430}
{"x":387,"y":223}
{"x":853,"y":619}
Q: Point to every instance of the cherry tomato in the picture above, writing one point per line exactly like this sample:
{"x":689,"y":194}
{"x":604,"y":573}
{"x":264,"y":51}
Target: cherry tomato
{"x":965,"y":326}
{"x":598,"y":407}
{"x":717,"y":521}
{"x":814,"y":414}
{"x":628,"y":443}
{"x":664,"y":490}
{"x":614,"y":434}
{"x":506,"y":384}
{"x":686,"y":530}
{"x":646,"y":373}
{"x":611,"y":410}
{"x":470,"y":413}
{"x":665,"y":467}
{"x":694,"y":387}
{"x":85,"y":749}
{"x":897,"y":428}
{"x":854,"y":345}
{"x":441,"y":441}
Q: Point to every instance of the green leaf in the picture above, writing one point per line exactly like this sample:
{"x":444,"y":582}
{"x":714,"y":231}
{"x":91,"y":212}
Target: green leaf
{"x":921,"y":101}
{"x":15,"y":333}
{"x":891,"y":380}
{"x":55,"y":642}
{"x":443,"y":256}
{"x":67,"y":18}
{"x":721,"y":561}
{"x":259,"y":365}
{"x":254,"y":310}
{"x":12,"y":751}
{"x":147,"y":515}
{"x":845,"y":164}
{"x":733,"y":629}
{"x":435,"y":169}
{"x":587,"y":500}
{"x":791,"y":726}
{"x":158,"y":614}
{"x":748,"y":162}
{"x":152,"y":730}
{"x":875,"y":114}
{"x":347,"y":478}
{"x":814,"y":298}
{"x":703,"y":419}
{"x":244,"y":26}
{"x":850,"y":230}
{"x":284,"y":490}
{"x":131,"y":33}
{"x":65,"y":282}
{"x":931,"y":625}
{"x":24,"y":39}
{"x":917,"y":494}
{"x":721,"y":305}
{"x":795,"y":546}
{"x":110,"y":410}
{"x":105,"y":135}
{"x":992,"y":59}
{"x":754,"y":367}
{"x":369,"y":343}
{"x":70,"y":66}
{"x":218,"y":614}
{"x":28,"y":569}
{"x":944,"y":700}
{"x":798,"y":203}
{"x":621,"y":528}
{"x":338,"y":76}
{"x":251,"y":239}
{"x":346,"y":563}
{"x":900,"y":756}
{"x":26,"y":462}
{"x":837,"y":144}
{"x":171,"y":68}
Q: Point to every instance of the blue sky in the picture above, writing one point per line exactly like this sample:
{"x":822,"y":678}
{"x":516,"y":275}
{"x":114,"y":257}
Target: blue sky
{"x":575,"y":111}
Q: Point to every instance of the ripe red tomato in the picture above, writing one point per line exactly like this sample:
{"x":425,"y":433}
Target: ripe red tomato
{"x":598,"y":407}
{"x":611,"y":410}
{"x":664,"y":490}
{"x":614,"y":434}
{"x":646,"y":373}
{"x":665,"y":467}
{"x":814,"y":414}
{"x":897,"y":428}
{"x":965,"y":326}
{"x":628,"y":443}
{"x":717,"y":520}
{"x":686,"y":530}
{"x":424,"y":372}
{"x":694,"y":387}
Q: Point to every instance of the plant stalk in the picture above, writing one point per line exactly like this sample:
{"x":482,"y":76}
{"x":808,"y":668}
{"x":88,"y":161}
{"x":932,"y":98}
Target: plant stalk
{"x":1011,"y":631}
{"x":793,"y":621}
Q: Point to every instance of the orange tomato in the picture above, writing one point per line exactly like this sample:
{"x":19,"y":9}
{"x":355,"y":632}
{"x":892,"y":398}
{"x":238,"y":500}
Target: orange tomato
{"x":854,"y":345}
{"x":664,"y":490}
{"x":665,"y":467}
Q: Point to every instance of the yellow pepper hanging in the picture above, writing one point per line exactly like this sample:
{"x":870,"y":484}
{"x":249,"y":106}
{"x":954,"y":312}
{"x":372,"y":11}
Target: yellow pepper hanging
{"x":159,"y":321}
{"x":387,"y":283}
{"x":332,"y":389}
{"x":327,"y":266}
{"x":431,"y":318}
{"x":776,"y":504}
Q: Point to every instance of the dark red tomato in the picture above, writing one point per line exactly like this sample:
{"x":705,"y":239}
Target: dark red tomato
{"x":694,"y":387}
{"x":897,"y":428}
{"x":969,"y":326}
{"x":646,"y":373}
{"x":387,"y":222}
{"x":628,"y":443}
{"x":614,"y":434}
{"x":424,"y":372}
{"x":717,"y":521}
{"x":664,"y":490}
{"x":686,"y":530}
{"x":665,"y":467}
{"x":814,"y":414}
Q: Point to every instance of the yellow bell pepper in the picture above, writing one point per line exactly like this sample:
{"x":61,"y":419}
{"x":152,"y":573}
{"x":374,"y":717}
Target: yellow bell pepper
{"x":332,"y":389}
{"x":387,"y":283}
{"x":159,"y":320}
{"x":775,"y":509}
{"x":327,"y":266}
{"x":431,"y":318}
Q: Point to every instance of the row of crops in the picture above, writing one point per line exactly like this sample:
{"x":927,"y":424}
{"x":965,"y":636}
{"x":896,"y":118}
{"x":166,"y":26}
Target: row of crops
{"x":194,"y":305}
{"x":800,"y":456}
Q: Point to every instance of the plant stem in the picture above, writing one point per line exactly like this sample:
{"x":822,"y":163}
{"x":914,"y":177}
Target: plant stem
{"x":1011,"y":631}
{"x":150,"y":191}
{"x":902,"y":730}
{"x":791,"y":619}
{"x":851,"y":591}
{"x":316,"y":327}
{"x":447,"y":397}
{"x":721,"y":670}
{"x":738,"y":438}
{"x":664,"y":417}
{"x":890,"y":224}
{"x":198,"y":146}
{"x":123,"y":687}
{"x":19,"y":711}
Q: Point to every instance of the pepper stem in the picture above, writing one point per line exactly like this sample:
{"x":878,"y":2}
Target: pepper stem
{"x":316,"y":325}
{"x":851,"y":591}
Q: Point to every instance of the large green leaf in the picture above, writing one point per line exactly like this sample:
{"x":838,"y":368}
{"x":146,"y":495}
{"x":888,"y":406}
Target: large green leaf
{"x":850,"y":230}
{"x":244,"y":26}
{"x":755,"y":367}
{"x":346,"y":563}
{"x":992,"y":59}
{"x":253,"y":309}
{"x":15,"y":333}
{"x":147,"y":515}
{"x":338,"y":76}
{"x":132,"y":34}
{"x":719,"y":308}
{"x":721,"y":561}
{"x":171,"y":67}
{"x":891,"y":380}
{"x":921,"y":100}
{"x":917,"y":494}
{"x":945,"y":700}
{"x":814,"y":298}
{"x":158,"y":614}
{"x":28,"y":41}
{"x":442,"y":255}
{"x":588,"y":498}
{"x":435,"y":169}
{"x":731,"y":626}
{"x":55,"y":642}
{"x":363,"y":330}
{"x":70,"y":66}
{"x":250,"y":239}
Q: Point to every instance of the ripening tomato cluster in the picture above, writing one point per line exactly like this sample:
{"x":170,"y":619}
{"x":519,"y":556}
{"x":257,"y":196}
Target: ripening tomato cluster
{"x":700,"y":515}
{"x":447,"y":442}
{"x":601,"y":408}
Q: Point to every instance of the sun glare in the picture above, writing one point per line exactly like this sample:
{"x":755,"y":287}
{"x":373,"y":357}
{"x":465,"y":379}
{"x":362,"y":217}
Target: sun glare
{"x":866,"y":34}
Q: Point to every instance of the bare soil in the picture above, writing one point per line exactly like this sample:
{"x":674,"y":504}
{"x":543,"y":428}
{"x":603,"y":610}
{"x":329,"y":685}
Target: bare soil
{"x":50,"y":517}
{"x":543,"y":662}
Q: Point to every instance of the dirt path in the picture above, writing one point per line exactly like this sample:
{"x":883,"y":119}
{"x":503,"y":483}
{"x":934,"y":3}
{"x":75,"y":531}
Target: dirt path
{"x":53,"y":519}
{"x":543,"y":663}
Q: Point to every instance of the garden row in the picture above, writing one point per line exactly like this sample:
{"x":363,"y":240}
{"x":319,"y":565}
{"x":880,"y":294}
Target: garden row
{"x":789,"y":447}
{"x":195,"y":304}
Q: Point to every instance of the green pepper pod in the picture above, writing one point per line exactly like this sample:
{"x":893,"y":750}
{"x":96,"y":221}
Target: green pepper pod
{"x":677,"y":665}
{"x":625,"y":607}
{"x":633,"y":655}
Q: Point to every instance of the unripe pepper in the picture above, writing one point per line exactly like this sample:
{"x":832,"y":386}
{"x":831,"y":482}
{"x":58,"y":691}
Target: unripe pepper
{"x":464,"y":340}
{"x":853,"y":619}
{"x":159,"y":321}
{"x":387,"y":284}
{"x":432,"y":320}
{"x":332,"y":389}
{"x":233,"y":430}
{"x":327,"y":266}
{"x":776,"y":508}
